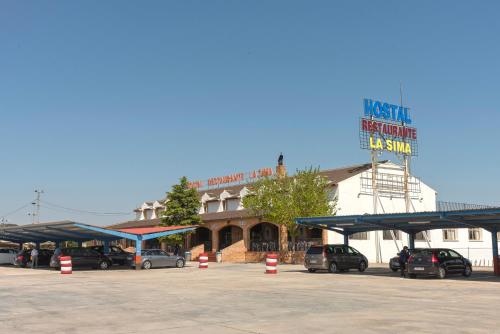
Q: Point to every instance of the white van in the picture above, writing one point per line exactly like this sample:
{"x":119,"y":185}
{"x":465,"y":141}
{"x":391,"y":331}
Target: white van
{"x":7,"y":255}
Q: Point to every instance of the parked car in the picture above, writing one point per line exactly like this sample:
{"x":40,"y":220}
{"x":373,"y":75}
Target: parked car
{"x":7,"y":255}
{"x":438,"y":262}
{"x":334,"y":258}
{"x":81,"y":257}
{"x":154,"y":258}
{"x":394,"y":262}
{"x":23,"y":257}
{"x":116,"y":254}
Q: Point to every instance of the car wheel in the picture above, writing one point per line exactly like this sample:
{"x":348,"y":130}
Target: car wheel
{"x":146,"y":265}
{"x":441,"y":273}
{"x":311,"y":270}
{"x":103,"y":265}
{"x":333,"y":268}
{"x":179,"y":264}
{"x":394,"y":269}
{"x":362,"y":266}
{"x":467,"y":271}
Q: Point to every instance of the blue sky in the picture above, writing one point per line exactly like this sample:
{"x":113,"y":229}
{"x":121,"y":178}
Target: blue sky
{"x":106,"y":104}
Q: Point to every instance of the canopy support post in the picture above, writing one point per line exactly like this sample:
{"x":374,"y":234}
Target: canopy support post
{"x":494,"y":246}
{"x":346,"y":239}
{"x":411,"y":240}
{"x":138,"y":252}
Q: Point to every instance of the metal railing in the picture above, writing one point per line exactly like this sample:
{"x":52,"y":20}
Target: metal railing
{"x":454,"y":206}
{"x":264,"y":246}
{"x":303,"y":245}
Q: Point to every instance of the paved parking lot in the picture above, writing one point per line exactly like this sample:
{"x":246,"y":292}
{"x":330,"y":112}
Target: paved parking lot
{"x":240,"y":298}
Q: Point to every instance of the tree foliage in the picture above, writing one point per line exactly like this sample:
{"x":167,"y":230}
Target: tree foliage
{"x":182,"y":208}
{"x":282,"y":199}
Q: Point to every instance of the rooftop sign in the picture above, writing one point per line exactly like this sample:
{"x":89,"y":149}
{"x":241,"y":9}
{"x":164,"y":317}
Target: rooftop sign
{"x":232,"y":179}
{"x":384,"y":127}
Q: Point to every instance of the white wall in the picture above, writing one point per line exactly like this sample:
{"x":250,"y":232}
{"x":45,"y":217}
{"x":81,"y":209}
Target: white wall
{"x":352,"y":200}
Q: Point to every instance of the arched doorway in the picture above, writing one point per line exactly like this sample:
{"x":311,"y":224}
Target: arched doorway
{"x":202,"y":235}
{"x":229,"y":235}
{"x":264,"y":237}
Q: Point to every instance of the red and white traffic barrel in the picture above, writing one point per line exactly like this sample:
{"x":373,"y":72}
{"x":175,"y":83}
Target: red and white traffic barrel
{"x":66,"y":267}
{"x":272,"y":263}
{"x":203,"y":259}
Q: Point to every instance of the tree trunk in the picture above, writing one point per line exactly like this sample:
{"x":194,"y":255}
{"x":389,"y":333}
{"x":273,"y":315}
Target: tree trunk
{"x":283,"y":242}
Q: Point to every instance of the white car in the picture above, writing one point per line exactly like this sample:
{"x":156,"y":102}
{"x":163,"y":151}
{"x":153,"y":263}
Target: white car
{"x":7,"y":255}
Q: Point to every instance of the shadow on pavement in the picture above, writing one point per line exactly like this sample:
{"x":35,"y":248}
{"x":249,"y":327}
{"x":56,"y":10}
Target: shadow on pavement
{"x":481,"y":275}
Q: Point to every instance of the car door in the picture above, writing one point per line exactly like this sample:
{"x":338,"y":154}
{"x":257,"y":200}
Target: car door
{"x":446,"y":260}
{"x":165,"y":258}
{"x":339,"y":257}
{"x":153,"y":258}
{"x":76,"y":258}
{"x":118,"y":254}
{"x":353,"y":257}
{"x":456,"y":261}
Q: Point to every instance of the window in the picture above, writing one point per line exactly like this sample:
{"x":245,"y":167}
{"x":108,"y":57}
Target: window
{"x":453,"y":254}
{"x":450,"y":235}
{"x":338,"y":250}
{"x":231,"y":204}
{"x":352,"y":251}
{"x":475,"y":234}
{"x":211,"y":206}
{"x":359,"y":236}
{"x":420,"y":236}
{"x":442,"y":254}
{"x":315,"y":250}
{"x":387,"y":235}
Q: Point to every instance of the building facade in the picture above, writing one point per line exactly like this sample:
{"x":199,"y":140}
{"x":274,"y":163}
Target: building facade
{"x":241,"y":237}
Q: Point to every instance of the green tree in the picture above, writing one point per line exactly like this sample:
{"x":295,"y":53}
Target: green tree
{"x":182,"y":208}
{"x":282,"y":199}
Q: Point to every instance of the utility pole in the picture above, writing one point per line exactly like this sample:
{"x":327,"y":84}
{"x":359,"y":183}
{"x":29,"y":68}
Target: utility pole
{"x":374,"y":154}
{"x":406,"y":163}
{"x":38,"y":193}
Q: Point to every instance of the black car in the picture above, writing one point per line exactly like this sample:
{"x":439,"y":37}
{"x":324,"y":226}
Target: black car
{"x":334,"y":258}
{"x":394,"y":262}
{"x":23,"y":257}
{"x":438,"y":262}
{"x":116,"y":254}
{"x":81,"y":257}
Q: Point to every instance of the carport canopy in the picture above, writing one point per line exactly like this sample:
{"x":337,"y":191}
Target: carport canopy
{"x":73,"y":231}
{"x":412,"y":223}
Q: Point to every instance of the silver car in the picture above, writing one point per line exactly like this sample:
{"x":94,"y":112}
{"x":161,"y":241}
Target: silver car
{"x":155,"y":258}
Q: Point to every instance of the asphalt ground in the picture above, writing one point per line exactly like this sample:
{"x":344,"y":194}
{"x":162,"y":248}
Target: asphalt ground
{"x":240,"y":298}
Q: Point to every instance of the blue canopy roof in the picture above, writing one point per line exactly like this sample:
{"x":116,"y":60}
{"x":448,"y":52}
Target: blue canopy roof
{"x":73,"y":231}
{"x":488,"y":219}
